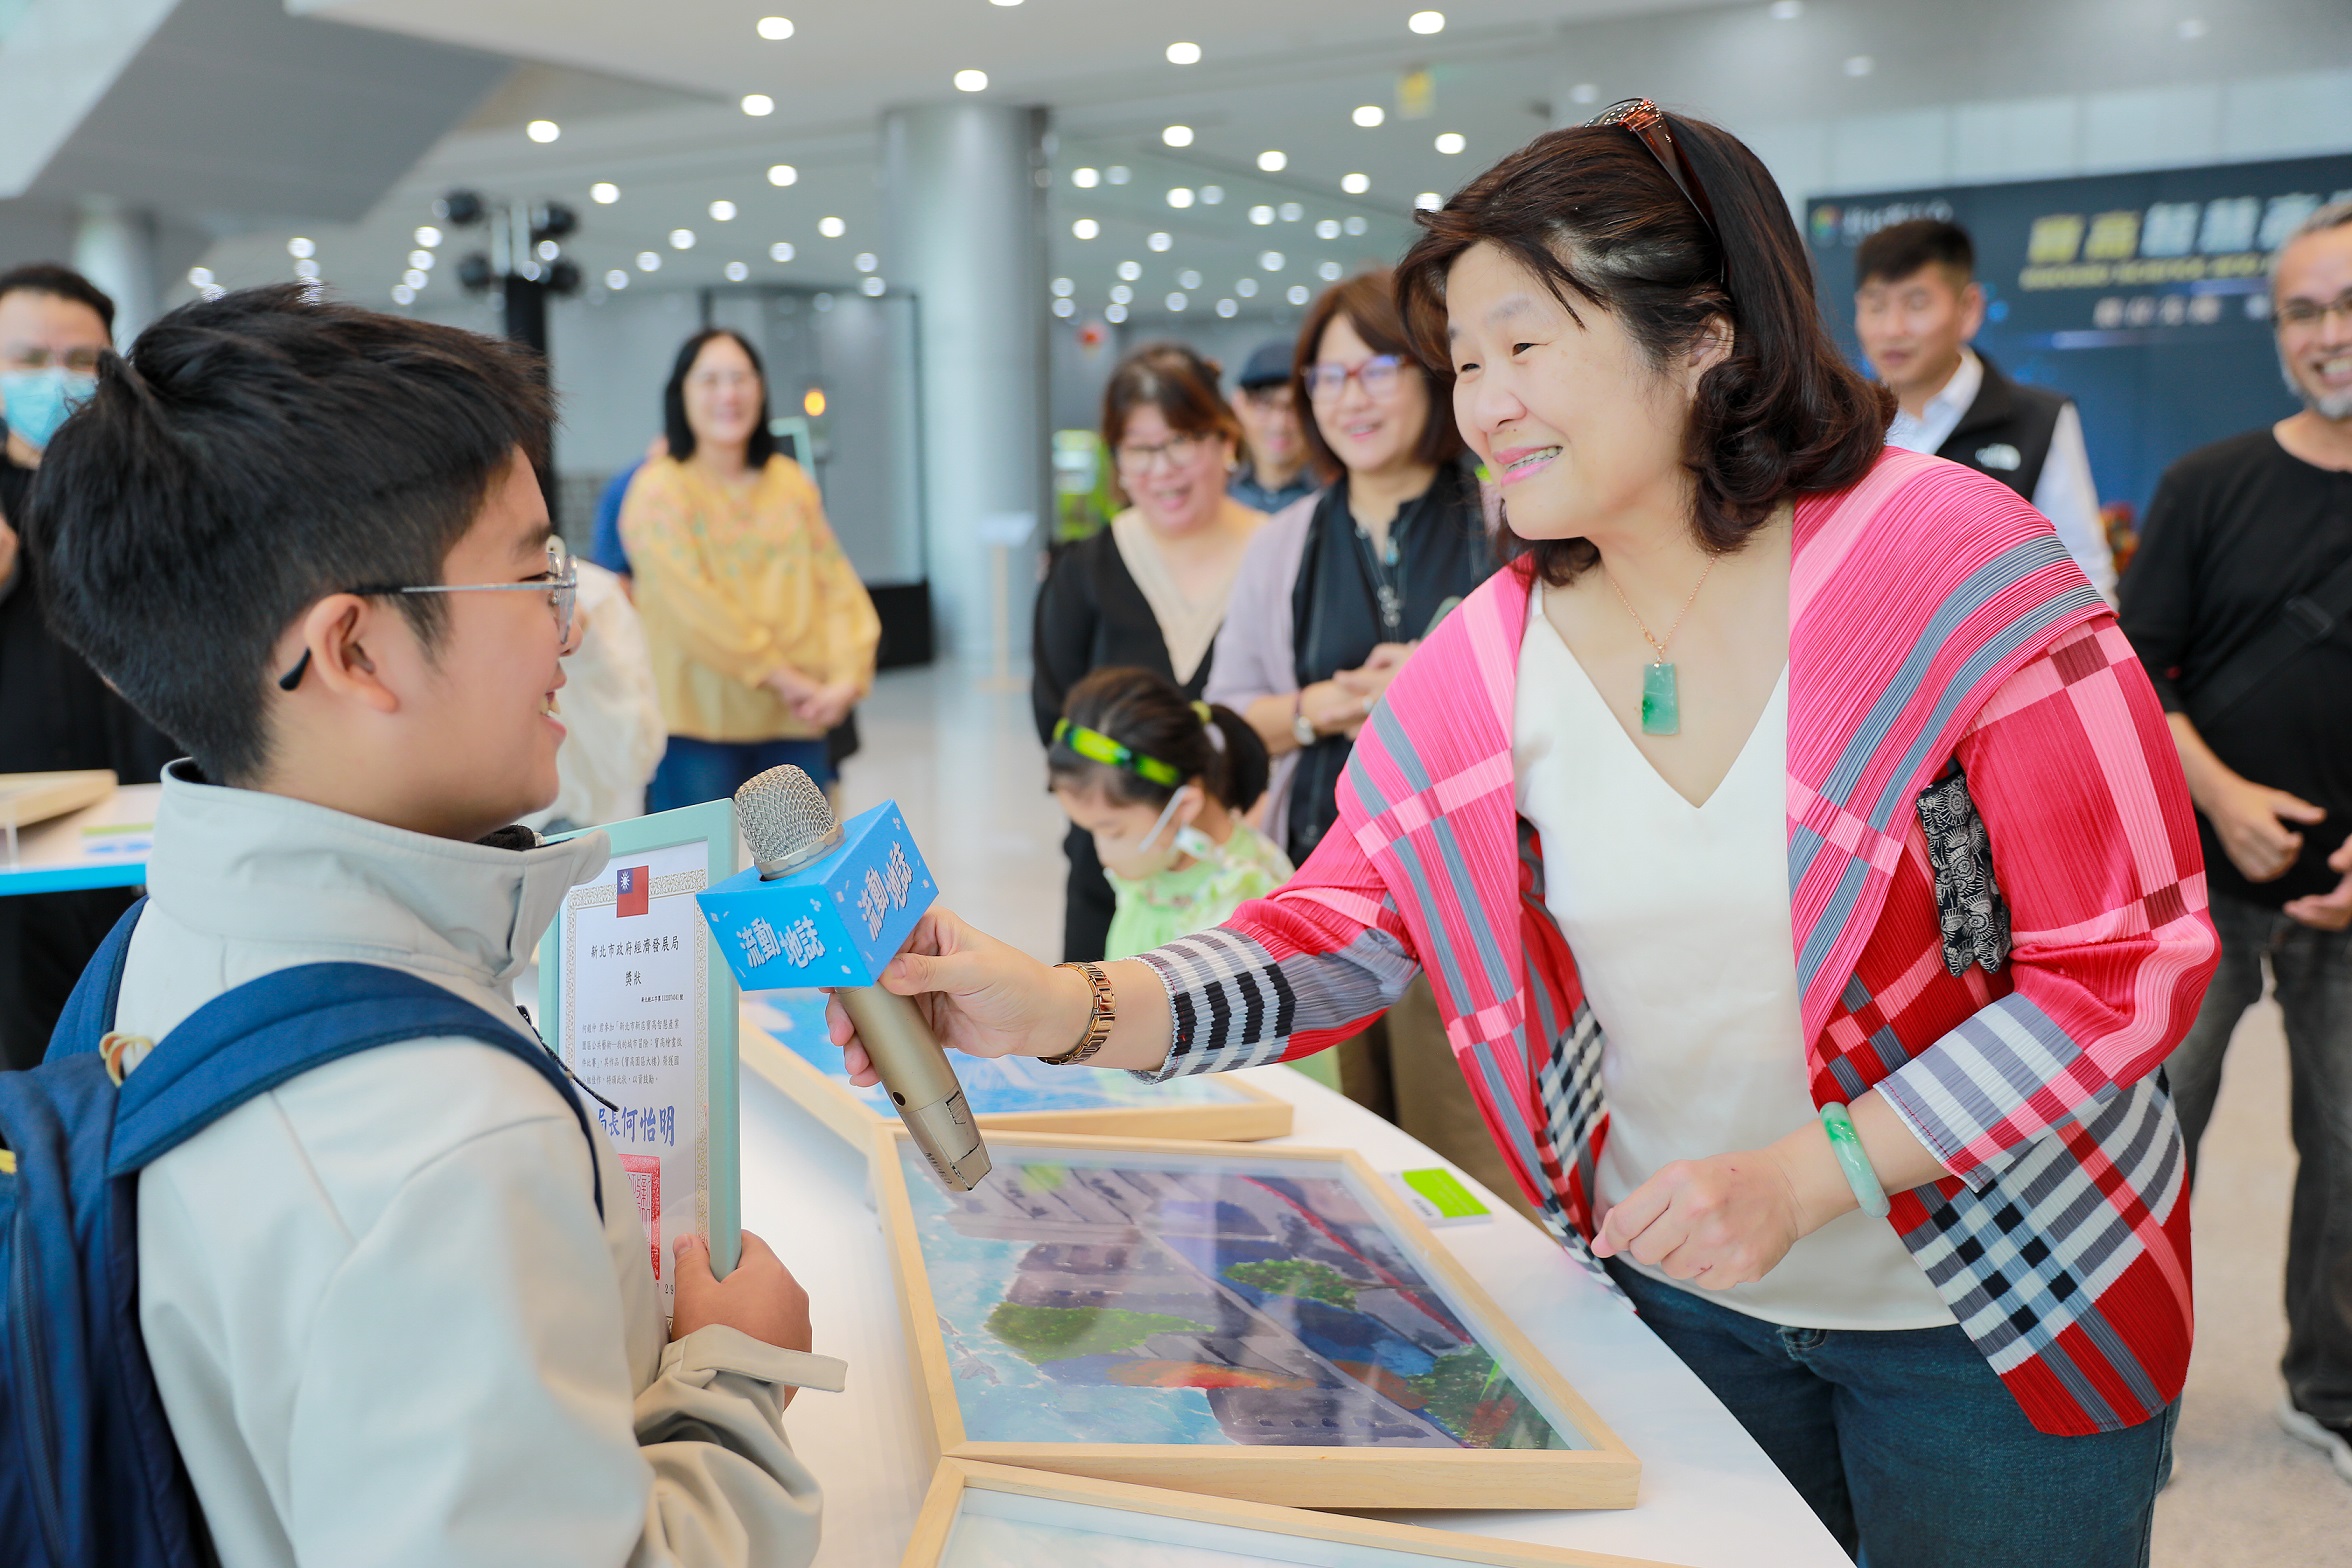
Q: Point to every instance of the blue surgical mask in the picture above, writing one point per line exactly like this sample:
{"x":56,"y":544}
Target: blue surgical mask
{"x":38,"y":400}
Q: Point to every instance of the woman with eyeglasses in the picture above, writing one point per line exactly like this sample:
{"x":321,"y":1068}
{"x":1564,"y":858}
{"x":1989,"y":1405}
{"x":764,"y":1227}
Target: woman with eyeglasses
{"x":762,"y":637}
{"x":1801,"y":860}
{"x":1336,"y":591}
{"x":1149,"y":591}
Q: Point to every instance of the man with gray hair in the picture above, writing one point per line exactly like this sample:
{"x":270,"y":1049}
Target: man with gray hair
{"x":2240,"y":606}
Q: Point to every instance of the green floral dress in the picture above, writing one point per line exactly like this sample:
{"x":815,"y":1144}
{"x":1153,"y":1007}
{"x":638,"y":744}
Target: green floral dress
{"x":1159,"y":909}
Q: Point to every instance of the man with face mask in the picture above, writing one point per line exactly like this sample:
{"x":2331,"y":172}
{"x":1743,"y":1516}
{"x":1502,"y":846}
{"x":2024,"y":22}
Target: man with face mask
{"x":55,"y":712}
{"x":2240,"y":606}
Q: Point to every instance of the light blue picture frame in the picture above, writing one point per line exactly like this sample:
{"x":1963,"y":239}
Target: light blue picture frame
{"x":711,"y":824}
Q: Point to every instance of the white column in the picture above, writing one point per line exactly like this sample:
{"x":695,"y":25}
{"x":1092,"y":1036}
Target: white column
{"x":964,"y":188}
{"x":114,"y":248}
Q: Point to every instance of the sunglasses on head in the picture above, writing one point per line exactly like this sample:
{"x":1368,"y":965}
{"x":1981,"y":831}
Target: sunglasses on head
{"x":1648,"y":124}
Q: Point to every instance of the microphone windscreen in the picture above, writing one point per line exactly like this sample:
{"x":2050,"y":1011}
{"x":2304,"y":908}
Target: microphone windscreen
{"x":785,"y":818}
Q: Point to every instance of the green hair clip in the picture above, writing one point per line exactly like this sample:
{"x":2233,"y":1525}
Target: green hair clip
{"x":1095,"y":746}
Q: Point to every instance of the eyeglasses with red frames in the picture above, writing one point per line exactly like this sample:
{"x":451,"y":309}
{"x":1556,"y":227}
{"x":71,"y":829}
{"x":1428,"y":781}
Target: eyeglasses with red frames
{"x":1648,"y":124}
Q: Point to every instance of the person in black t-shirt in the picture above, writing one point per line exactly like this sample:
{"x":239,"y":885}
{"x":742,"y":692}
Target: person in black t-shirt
{"x":55,"y":713}
{"x":1149,"y":591}
{"x":2240,"y":605}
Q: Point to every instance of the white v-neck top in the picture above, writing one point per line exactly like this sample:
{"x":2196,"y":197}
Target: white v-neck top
{"x":1678,"y":916}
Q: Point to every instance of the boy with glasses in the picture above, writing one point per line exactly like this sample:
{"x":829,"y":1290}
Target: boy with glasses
{"x":2240,"y":605}
{"x":390,"y":1318}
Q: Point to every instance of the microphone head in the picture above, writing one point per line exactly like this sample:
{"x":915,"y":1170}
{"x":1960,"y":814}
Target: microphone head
{"x":786,"y":821}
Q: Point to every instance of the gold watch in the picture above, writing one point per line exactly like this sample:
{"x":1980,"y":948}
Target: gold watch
{"x":1104,"y":1013}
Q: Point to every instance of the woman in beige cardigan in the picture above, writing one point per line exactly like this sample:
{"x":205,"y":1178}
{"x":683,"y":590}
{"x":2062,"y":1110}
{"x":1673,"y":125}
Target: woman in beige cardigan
{"x":762,"y":636}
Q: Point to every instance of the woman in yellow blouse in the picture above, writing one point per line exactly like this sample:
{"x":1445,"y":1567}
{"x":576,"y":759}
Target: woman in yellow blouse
{"x":761,"y":634}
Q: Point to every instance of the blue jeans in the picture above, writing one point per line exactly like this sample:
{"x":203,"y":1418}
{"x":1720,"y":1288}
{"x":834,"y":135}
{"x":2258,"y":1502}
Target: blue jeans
{"x":1907,"y":1446}
{"x":2311,"y":975}
{"x":693,"y":771}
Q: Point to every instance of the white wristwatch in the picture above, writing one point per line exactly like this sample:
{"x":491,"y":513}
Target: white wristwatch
{"x":1302,"y":728}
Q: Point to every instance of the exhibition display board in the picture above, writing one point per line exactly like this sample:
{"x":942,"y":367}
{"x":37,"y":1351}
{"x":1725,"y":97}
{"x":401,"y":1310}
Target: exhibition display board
{"x":784,"y":1040}
{"x":1264,"y":1323}
{"x":995,"y":1516}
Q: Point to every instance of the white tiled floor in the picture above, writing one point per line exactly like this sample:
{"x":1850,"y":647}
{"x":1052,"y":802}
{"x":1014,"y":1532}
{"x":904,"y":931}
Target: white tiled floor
{"x":965,"y":765}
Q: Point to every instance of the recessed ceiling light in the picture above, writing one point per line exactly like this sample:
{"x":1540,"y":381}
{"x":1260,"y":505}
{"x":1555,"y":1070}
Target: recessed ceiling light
{"x":866,"y":261}
{"x":1175,"y":302}
{"x":428,"y":236}
{"x":1177,"y":135}
{"x":1181,"y":196}
{"x":1787,"y":10}
{"x":1114,"y":314}
{"x":1429,"y":201}
{"x":1290,"y":212}
{"x":1121,"y":293}
{"x":616,"y":279}
{"x":1860,"y":65}
{"x":414,"y":279}
{"x":402,"y":294}
{"x":971,"y":81}
{"x":1269,"y":261}
{"x":1086,"y":179}
{"x":1184,"y":54}
{"x":649,"y":261}
{"x":604,"y":193}
{"x":832,"y":228}
{"x":2192,"y":28}
{"x":1129,"y":271}
{"x":1065,"y":307}
{"x":758,"y":104}
{"x":775,"y":29}
{"x":781,"y":251}
{"x":1355,"y":223}
{"x":723,"y":210}
{"x":1226,"y":307}
{"x":1008,"y":4}
{"x":1118,"y":174}
{"x":1368,"y":115}
{"x":1299,"y":294}
{"x":1355,"y":184}
{"x":1212,"y":195}
{"x":1328,"y":271}
{"x":1188,"y":279}
{"x":549,"y":250}
{"x":1327,"y":229}
{"x":1158,"y":240}
{"x":1273,"y":161}
{"x":782,"y":174}
{"x":1247,"y":288}
{"x":1426,"y":21}
{"x":543,"y":130}
{"x":1063,"y":288}
{"x":872,"y":288}
{"x":681,"y":239}
{"x":1261,"y":215}
{"x":307,"y":271}
{"x":1085,"y":229}
{"x":737,"y":272}
{"x":422,"y":260}
{"x":301,"y":249}
{"x":200,"y":277}
{"x":1451,"y":142}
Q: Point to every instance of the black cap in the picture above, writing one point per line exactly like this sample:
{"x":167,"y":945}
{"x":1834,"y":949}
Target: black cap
{"x":1269,"y":366}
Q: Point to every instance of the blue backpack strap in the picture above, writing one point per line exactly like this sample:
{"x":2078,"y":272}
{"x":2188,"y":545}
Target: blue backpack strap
{"x":89,"y":1010}
{"x":247,"y":1041}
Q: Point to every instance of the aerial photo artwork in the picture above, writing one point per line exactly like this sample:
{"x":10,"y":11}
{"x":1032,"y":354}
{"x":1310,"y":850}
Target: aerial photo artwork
{"x":1152,"y":1299}
{"x":998,"y":1532}
{"x":992,"y":1086}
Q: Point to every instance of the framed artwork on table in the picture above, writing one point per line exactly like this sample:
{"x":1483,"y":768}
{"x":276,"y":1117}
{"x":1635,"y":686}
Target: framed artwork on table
{"x":785,"y":1042}
{"x":644,"y":1015}
{"x":995,"y":1516}
{"x":1267,"y":1323}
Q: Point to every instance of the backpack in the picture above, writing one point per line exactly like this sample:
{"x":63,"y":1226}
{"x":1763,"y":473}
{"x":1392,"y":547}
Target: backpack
{"x":89,"y":1474}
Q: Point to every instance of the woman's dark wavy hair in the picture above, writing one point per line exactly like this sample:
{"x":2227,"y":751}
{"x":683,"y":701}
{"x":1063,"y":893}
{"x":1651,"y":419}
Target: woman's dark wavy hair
{"x":1592,"y":213}
{"x":681,"y":434}
{"x":1178,"y":381}
{"x":1146,"y":712}
{"x":1369,"y":303}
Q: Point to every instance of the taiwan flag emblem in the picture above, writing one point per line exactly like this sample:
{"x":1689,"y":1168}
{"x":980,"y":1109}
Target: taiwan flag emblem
{"x":631,"y":893}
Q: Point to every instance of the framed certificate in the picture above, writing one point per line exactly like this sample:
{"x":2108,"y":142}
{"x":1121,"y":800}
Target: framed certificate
{"x":639,"y":1008}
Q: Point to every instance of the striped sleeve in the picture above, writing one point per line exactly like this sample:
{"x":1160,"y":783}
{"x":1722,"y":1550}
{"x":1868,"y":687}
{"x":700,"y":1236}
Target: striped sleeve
{"x":1290,"y":974}
{"x":2094,"y":843}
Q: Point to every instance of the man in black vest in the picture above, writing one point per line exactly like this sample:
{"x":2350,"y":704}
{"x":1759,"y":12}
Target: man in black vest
{"x":1916,"y":305}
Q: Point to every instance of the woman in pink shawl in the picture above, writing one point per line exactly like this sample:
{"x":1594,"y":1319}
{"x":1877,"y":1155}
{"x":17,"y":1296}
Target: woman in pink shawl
{"x":1799,"y":858}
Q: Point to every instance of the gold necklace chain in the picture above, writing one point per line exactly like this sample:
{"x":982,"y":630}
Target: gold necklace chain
{"x":1644,"y":625}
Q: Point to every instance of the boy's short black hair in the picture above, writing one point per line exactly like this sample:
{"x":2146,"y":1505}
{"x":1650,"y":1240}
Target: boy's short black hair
{"x":1900,"y":249}
{"x":47,"y":277}
{"x":255,"y":453}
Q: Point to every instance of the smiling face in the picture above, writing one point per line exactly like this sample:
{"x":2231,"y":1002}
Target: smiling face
{"x":1175,"y":479}
{"x":1575,"y":425}
{"x":723,"y":394}
{"x":1912,"y":328}
{"x":481,"y":725}
{"x":1370,"y":431}
{"x":2311,"y":298}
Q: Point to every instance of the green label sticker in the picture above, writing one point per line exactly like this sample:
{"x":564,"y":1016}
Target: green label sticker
{"x":1444,"y":1192}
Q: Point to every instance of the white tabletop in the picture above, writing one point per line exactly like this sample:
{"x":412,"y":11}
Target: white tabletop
{"x":1709,"y":1497}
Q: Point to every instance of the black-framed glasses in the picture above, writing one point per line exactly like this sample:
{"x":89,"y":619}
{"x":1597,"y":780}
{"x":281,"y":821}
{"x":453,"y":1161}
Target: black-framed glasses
{"x":1178,"y":450}
{"x":1648,"y":124}
{"x":2304,"y":314}
{"x":1377,"y":375}
{"x":560,"y":582}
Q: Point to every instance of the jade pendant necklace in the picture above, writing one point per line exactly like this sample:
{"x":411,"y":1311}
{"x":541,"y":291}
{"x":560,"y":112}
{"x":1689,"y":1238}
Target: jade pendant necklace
{"x":1661,"y":710}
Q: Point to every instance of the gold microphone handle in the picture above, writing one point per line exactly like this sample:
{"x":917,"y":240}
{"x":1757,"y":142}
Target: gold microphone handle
{"x":921,"y":1084}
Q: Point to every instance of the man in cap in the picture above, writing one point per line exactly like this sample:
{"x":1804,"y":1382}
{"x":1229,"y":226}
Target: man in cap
{"x":1274,"y":469}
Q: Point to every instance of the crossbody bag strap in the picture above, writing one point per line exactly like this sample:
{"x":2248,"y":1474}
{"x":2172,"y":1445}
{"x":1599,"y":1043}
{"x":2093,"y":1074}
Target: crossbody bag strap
{"x":2305,"y":620}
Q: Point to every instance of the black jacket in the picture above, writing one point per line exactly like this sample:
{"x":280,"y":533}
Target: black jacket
{"x":2007,"y":431}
